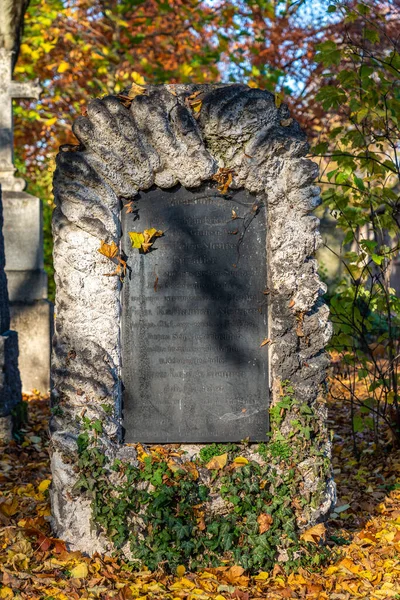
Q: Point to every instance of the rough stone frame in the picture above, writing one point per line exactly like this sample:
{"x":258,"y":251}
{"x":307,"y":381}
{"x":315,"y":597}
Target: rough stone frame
{"x":159,"y":141}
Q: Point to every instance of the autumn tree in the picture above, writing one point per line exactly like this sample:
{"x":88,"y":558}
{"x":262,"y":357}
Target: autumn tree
{"x":360,"y":173}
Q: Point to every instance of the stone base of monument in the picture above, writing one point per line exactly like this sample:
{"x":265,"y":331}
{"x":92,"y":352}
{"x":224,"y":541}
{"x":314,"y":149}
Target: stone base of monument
{"x":32,"y":321}
{"x":31,"y":313}
{"x":189,"y":417}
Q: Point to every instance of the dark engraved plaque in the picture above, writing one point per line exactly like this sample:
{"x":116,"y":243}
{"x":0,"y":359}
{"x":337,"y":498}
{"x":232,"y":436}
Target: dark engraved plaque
{"x":193,"y":318}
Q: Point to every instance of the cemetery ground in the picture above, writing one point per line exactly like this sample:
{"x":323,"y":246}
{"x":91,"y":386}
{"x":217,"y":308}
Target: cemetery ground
{"x":363,"y":535}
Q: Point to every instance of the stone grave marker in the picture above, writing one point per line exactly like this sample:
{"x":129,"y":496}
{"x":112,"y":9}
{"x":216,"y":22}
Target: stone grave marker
{"x":188,"y":298}
{"x":31,"y":313}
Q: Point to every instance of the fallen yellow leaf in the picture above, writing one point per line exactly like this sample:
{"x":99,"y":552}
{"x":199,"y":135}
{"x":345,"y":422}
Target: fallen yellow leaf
{"x":137,"y":239}
{"x":9,"y":506}
{"x":43,"y":485}
{"x":241,"y":460}
{"x":183,"y":583}
{"x":136,"y":90}
{"x":218,"y":462}
{"x":80,"y":571}
{"x":108,"y":250}
{"x":144,"y":241}
{"x":180,"y":570}
{"x":262,"y":576}
{"x":314,"y":534}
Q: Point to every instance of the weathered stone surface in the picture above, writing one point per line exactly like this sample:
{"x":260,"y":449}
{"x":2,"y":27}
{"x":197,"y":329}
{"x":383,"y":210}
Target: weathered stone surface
{"x":159,"y":141}
{"x":9,"y":90}
{"x":194,"y":314}
{"x":27,"y":286}
{"x":32,"y":321}
{"x":23,"y":233}
{"x":31,"y":313}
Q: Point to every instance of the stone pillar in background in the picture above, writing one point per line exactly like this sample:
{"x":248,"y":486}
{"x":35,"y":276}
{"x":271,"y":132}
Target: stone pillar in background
{"x":27,"y":282}
{"x":10,"y":382}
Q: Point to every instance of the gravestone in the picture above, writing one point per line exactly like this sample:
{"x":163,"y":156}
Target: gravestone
{"x":23,"y":226}
{"x":10,"y":382}
{"x":220,"y":309}
{"x":193,"y":311}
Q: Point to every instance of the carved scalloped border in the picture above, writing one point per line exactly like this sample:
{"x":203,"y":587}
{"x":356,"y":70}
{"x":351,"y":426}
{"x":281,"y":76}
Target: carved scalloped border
{"x":159,"y":141}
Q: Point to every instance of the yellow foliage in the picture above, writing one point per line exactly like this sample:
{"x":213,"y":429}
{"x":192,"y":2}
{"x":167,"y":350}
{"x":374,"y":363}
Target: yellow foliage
{"x":43,"y":485}
{"x":144,"y":240}
{"x":80,"y":571}
{"x":25,"y":49}
{"x":218,"y":462}
{"x":262,"y":576}
{"x":183,"y":584}
{"x":63,"y":66}
{"x":314,"y":534}
{"x":137,"y":78}
{"x":241,"y":460}
{"x":180,"y":570}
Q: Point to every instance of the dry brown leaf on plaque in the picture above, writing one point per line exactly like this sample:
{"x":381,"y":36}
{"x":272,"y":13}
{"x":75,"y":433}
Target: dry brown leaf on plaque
{"x":122,"y":266}
{"x":224,"y":178}
{"x":265,"y":342}
{"x":217,"y":462}
{"x":143,"y":241}
{"x":234,"y":214}
{"x":129,"y":207}
{"x":120,"y":269}
{"x":196,"y":106}
{"x":279,"y":96}
{"x":108,"y":250}
{"x":291,"y":304}
{"x":300,"y":322}
{"x":264,"y":522}
{"x":194,"y":103}
{"x":111,"y":251}
{"x":314,"y":534}
{"x":136,"y":90}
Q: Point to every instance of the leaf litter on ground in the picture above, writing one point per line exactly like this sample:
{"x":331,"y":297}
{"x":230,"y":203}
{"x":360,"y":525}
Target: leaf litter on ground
{"x":363,"y":532}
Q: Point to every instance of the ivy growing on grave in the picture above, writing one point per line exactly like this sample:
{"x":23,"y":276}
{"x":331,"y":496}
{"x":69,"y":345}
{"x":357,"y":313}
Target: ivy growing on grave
{"x":171,"y":511}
